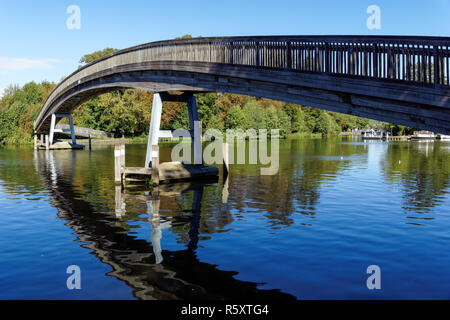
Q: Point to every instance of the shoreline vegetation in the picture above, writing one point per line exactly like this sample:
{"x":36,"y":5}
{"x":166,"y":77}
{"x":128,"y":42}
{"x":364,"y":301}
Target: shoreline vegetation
{"x":126,"y":113}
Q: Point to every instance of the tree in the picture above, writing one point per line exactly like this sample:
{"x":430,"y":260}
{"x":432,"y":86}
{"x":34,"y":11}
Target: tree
{"x":182,"y":121}
{"x":19,"y":108}
{"x":209,"y":112}
{"x":235,"y":118}
{"x":254,"y":115}
{"x":186,"y":36}
{"x":123,"y":112}
{"x":91,"y":57}
{"x":326,"y":124}
{"x":298,"y":121}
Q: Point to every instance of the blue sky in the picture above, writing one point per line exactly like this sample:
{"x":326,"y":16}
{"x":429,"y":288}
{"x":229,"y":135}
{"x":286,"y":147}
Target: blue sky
{"x":36,"y":44}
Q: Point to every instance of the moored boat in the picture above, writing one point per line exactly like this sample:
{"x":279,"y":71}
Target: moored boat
{"x":423,"y":135}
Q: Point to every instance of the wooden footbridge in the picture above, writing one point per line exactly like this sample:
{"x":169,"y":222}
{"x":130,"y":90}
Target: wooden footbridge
{"x":398,"y":79}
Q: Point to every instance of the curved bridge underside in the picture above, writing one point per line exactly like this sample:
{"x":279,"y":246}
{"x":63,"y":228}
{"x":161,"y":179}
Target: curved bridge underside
{"x":401,"y":80}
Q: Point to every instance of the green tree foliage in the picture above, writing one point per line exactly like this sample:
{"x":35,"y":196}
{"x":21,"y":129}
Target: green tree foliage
{"x":326,"y":125}
{"x":398,"y":130}
{"x":298,"y":121}
{"x":235,"y":118}
{"x":186,"y":36}
{"x":91,"y":57}
{"x":19,"y":108}
{"x":254,"y":115}
{"x":123,"y":112}
{"x":209,"y":112}
{"x":182,"y":121}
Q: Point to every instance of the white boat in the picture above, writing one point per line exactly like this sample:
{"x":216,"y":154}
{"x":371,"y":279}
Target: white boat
{"x":372,"y":134}
{"x":423,"y":135}
{"x":444,"y":137}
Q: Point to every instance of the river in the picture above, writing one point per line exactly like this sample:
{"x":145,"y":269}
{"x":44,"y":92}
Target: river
{"x":335,"y":208}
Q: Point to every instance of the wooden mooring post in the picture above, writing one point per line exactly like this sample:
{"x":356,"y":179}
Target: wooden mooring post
{"x":119,"y":162}
{"x":155,"y":164}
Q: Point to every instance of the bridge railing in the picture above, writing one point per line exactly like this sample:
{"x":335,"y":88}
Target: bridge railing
{"x":422,"y":61}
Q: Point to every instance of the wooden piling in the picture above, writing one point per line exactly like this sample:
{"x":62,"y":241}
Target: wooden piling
{"x":155,"y":164}
{"x":117,"y":164}
{"x":90,"y":143}
{"x":122,"y":157}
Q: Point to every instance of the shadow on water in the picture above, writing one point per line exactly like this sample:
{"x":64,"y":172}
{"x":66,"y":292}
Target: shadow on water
{"x":153,"y":273}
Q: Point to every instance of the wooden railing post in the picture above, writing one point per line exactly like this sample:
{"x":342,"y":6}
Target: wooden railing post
{"x":327,"y":58}
{"x":288,"y":55}
{"x":390,"y":64}
{"x":375,"y":60}
{"x":209,"y":47}
{"x":436,"y":66}
{"x":257,"y":58}
{"x":231,"y":53}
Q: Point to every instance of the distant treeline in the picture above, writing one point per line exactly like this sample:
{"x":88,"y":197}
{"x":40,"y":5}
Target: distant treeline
{"x":127,"y":113}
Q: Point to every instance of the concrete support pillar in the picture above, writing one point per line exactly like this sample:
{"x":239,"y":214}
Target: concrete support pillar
{"x":53,"y":130}
{"x":155,"y":123}
{"x":196,"y":130}
{"x":35,"y":142}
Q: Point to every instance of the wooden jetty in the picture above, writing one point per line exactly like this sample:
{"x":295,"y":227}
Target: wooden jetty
{"x":158,"y":173}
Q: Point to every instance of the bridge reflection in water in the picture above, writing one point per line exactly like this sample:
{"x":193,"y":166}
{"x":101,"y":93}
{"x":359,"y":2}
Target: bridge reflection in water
{"x":151,"y":271}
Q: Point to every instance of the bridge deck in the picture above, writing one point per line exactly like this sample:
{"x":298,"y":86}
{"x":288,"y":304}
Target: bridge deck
{"x":356,"y":74}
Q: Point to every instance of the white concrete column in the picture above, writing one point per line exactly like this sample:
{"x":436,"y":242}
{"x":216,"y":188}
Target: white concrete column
{"x":52,"y":129}
{"x":155,"y":123}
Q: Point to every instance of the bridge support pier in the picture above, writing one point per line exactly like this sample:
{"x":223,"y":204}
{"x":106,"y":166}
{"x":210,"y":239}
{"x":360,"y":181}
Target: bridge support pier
{"x":155,"y":123}
{"x":169,"y":171}
{"x":53,"y":129}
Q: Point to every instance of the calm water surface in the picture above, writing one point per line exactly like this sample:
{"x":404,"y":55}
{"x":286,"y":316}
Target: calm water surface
{"x":310,"y":232}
